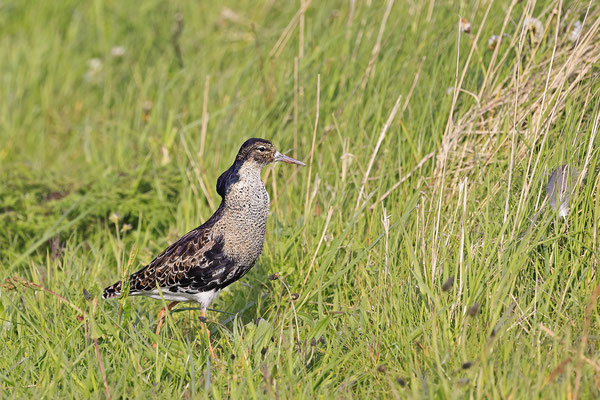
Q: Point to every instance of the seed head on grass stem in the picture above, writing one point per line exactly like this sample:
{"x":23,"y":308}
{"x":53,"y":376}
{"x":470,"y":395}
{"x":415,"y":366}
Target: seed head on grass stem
{"x":473,"y":310}
{"x":447,"y":285}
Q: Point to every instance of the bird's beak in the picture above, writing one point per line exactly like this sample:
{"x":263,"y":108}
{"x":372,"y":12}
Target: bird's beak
{"x":290,"y":160}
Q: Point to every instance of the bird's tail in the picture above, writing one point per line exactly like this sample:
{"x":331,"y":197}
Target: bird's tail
{"x":112,"y":291}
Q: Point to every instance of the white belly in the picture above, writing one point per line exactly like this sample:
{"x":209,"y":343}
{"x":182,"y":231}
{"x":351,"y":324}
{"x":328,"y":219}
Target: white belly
{"x":202,"y":298}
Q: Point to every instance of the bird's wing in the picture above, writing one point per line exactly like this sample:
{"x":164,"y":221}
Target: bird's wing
{"x":194,"y":263}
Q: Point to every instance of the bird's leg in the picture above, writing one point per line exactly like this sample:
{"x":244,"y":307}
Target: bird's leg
{"x":205,"y":328}
{"x":162,"y":313}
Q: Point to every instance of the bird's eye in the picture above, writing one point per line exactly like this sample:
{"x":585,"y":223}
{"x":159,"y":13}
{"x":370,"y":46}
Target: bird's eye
{"x":262,"y":148}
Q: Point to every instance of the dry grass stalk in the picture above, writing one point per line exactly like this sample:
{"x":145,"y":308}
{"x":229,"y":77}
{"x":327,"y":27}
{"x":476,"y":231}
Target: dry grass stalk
{"x":314,"y":258}
{"x":287,"y":32}
{"x":379,"y":141}
{"x":466,"y":143}
{"x":377,"y":48}
{"x":312,"y":147}
{"x":404,"y":178}
{"x":204,"y":116}
{"x":586,"y":330}
{"x":303,"y":8}
{"x":195,"y":166}
{"x":295,"y":105}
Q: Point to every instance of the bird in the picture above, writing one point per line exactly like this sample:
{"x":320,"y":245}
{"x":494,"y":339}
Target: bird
{"x":200,"y":264}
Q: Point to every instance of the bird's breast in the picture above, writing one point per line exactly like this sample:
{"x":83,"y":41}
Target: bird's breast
{"x":244,"y":222}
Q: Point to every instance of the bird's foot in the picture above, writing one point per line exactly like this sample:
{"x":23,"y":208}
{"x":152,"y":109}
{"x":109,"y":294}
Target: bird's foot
{"x":161,"y":318}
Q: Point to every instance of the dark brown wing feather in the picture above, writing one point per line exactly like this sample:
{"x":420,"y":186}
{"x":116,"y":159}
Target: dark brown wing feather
{"x":194,"y":263}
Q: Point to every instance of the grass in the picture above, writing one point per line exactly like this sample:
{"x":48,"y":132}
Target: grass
{"x":411,"y":246}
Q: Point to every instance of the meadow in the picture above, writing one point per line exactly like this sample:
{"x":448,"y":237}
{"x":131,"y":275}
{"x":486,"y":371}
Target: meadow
{"x":415,"y":256}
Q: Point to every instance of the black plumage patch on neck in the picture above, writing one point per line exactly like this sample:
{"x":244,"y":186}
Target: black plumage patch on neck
{"x":228,"y":178}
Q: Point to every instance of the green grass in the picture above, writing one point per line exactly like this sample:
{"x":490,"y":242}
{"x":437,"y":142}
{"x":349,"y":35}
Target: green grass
{"x":96,"y":166}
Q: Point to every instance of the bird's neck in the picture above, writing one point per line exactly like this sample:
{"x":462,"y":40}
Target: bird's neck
{"x":250,"y":171}
{"x":240,"y":183}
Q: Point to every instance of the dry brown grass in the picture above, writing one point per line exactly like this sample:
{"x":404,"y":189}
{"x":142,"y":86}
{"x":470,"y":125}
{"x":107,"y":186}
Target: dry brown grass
{"x":518,"y":111}
{"x":536,"y":92}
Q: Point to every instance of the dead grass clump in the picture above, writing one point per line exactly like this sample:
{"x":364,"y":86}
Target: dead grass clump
{"x":516,"y":111}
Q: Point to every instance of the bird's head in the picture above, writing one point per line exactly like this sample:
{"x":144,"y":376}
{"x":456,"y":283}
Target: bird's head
{"x":252,"y":157}
{"x":262,"y":152}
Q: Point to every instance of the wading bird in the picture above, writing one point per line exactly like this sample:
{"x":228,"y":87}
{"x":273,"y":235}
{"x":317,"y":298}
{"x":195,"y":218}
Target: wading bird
{"x":220,"y":251}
